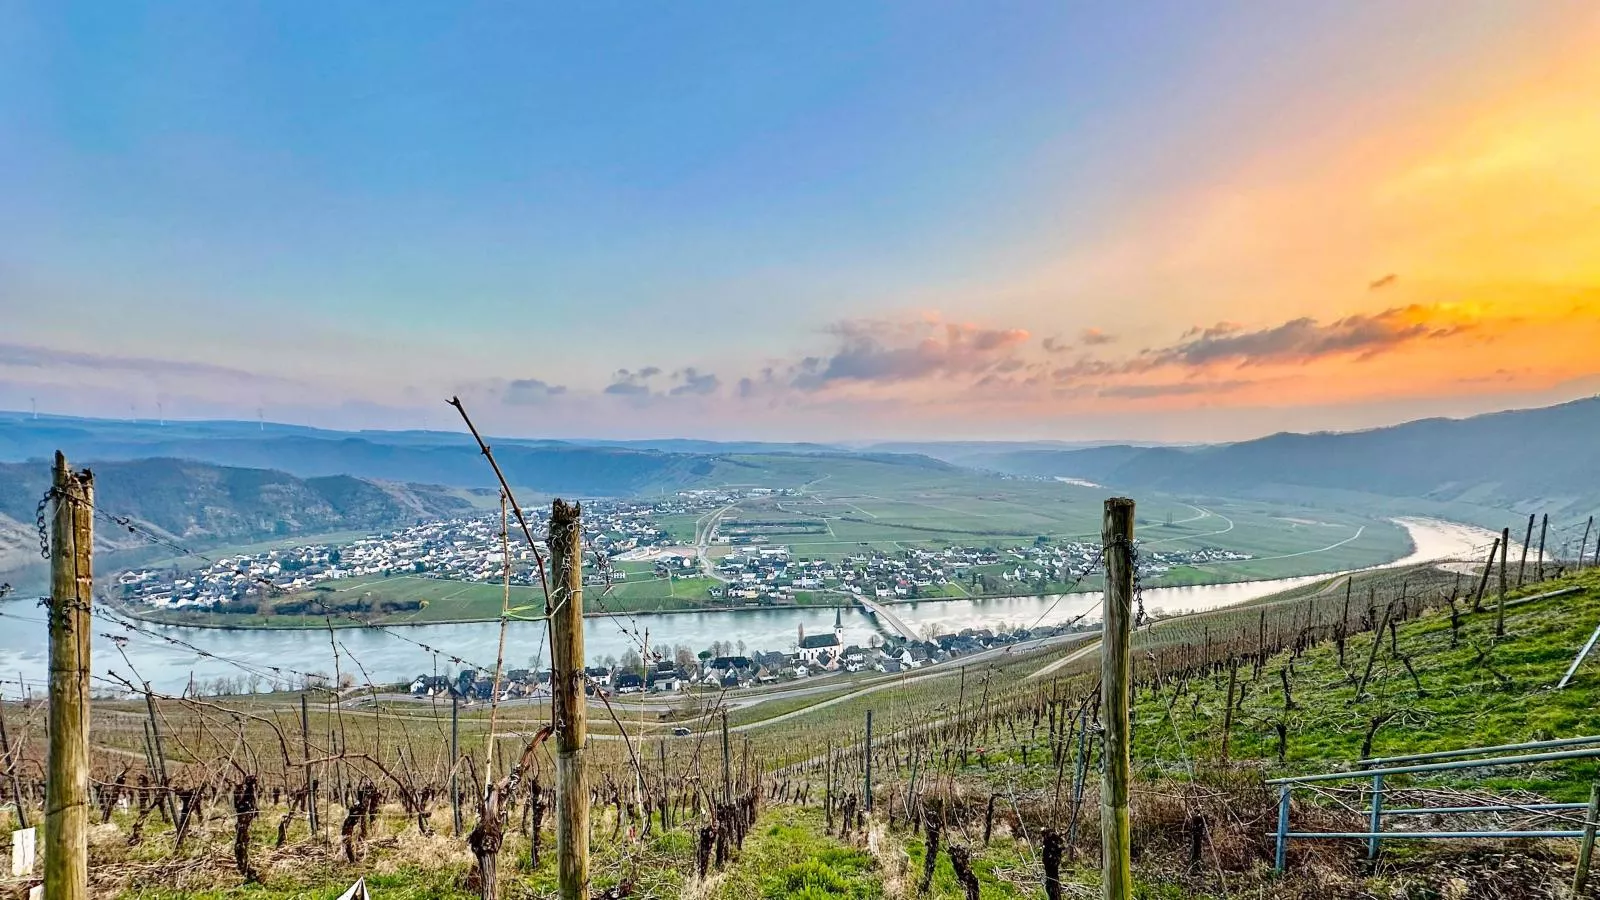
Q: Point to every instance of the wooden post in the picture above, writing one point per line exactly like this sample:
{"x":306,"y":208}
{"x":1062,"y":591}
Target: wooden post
{"x":1115,"y":678}
{"x":1586,"y":847}
{"x":1500,"y":606}
{"x":666,"y":811}
{"x":455,"y":759}
{"x":867,"y":764}
{"x":1544,"y":528}
{"x":727,"y":763}
{"x":1584,"y":544}
{"x":1488,"y":569}
{"x":566,"y":697}
{"x":1227,"y":714}
{"x":305,"y":748}
{"x":11,"y":771}
{"x":1527,"y":539}
{"x":827,"y":788}
{"x":66,"y":807}
{"x":1372,"y":657}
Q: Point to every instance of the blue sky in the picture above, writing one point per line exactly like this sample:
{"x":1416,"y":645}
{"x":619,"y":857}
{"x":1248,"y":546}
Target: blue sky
{"x":353,"y":210}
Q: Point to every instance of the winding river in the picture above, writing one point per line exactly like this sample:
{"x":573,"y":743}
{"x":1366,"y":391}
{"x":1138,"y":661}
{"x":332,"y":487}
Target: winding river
{"x":384,"y":656}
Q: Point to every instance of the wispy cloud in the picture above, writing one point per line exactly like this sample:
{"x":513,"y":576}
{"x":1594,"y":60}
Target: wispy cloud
{"x":530,"y":392}
{"x":30,"y":356}
{"x":627,"y":383}
{"x":693,"y":381}
{"x":1305,"y":339}
{"x":886,"y":352}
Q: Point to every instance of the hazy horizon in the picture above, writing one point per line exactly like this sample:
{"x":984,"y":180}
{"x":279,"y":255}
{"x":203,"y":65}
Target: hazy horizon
{"x":850,"y":443}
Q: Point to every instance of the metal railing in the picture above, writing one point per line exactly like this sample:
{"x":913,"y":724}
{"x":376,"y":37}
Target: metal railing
{"x":1448,"y":760}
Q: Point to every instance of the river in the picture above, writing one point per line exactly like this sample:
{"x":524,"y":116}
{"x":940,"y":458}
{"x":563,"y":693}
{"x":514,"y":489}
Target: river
{"x":390,"y":655}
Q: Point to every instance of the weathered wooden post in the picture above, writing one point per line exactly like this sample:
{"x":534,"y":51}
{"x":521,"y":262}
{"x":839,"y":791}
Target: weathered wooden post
{"x":727,"y":762}
{"x":455,"y":760}
{"x":305,"y":748}
{"x":566,"y":697}
{"x":1527,"y":539}
{"x":11,"y":771}
{"x":66,"y":807}
{"x":1500,"y":605}
{"x":1115,"y":675}
{"x":1544,"y":528}
{"x":1488,"y":569}
{"x":867,"y":764}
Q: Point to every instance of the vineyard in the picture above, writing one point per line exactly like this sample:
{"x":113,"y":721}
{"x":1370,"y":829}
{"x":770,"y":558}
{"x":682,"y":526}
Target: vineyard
{"x":970,"y":781}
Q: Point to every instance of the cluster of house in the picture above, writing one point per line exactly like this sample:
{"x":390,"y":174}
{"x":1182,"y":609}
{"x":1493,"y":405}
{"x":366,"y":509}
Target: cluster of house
{"x":812,"y":655}
{"x":753,"y":572}
{"x":770,"y":574}
{"x":465,"y":549}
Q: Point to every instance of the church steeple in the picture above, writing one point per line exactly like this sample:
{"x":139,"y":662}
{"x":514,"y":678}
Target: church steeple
{"x":838,"y":624}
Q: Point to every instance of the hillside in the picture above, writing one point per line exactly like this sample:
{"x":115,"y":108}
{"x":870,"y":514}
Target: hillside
{"x":199,"y":503}
{"x":1530,"y":460}
{"x":412,"y":456}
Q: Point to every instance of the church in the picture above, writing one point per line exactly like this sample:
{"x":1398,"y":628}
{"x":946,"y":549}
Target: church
{"x":823,"y":650}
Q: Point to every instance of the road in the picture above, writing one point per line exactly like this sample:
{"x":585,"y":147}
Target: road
{"x":702,"y":541}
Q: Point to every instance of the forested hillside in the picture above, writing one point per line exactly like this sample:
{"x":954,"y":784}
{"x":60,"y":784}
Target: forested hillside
{"x":1522,"y":459}
{"x":199,"y":503}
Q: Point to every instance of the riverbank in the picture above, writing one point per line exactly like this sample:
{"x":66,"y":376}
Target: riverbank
{"x":1429,"y":539}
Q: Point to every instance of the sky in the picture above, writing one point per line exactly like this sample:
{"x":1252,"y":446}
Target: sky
{"x":821,"y":221}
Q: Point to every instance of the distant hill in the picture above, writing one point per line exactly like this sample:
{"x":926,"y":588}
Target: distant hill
{"x":413,"y":456}
{"x":1534,"y":460}
{"x":200,"y":504}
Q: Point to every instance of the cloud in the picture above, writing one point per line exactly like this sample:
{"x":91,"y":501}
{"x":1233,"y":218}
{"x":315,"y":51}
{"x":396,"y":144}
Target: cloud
{"x":1179,"y":389}
{"x":695,"y":382}
{"x":632,"y":384}
{"x":49,"y":358}
{"x":1094,"y":337}
{"x":888,"y":352}
{"x":1383,"y":282}
{"x":530,"y":391}
{"x":1306,"y":339}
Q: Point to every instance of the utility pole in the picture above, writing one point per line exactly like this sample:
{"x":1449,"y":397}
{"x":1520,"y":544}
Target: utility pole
{"x":1116,"y":533}
{"x":566,"y":697}
{"x":66,"y":806}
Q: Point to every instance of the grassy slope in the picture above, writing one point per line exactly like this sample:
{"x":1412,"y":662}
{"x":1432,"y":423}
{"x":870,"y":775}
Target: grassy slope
{"x":1479,"y":692}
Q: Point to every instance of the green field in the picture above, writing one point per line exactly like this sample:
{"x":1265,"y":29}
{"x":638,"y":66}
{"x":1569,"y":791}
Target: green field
{"x":871,"y":506}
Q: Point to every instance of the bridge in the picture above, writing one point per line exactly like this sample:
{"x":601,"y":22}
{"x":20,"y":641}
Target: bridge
{"x":887,"y":619}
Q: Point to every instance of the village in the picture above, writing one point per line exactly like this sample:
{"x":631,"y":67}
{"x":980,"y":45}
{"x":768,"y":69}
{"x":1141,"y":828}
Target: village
{"x":463,"y":549}
{"x":673,"y":670}
{"x":625,"y":537}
